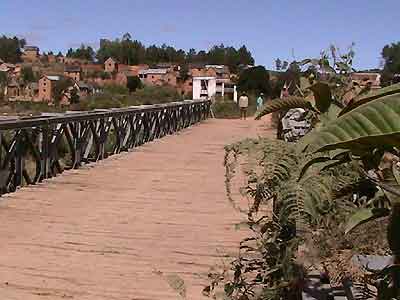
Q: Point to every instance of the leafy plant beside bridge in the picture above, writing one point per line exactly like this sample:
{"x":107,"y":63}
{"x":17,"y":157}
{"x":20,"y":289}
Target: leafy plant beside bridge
{"x":318,"y":202}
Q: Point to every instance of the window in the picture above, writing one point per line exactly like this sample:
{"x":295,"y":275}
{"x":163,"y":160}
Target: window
{"x":44,"y":90}
{"x":152,"y":77}
{"x":190,"y":83}
{"x":44,"y":83}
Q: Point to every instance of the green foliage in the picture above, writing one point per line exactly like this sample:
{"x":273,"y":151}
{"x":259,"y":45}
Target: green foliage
{"x":267,"y":266}
{"x":115,"y":89}
{"x":386,"y":91}
{"x":365,"y":215}
{"x":131,"y":52}
{"x":133,"y":83}
{"x":391,"y":57}
{"x":254,"y":80}
{"x":105,"y":75}
{"x":60,"y":88}
{"x":277,"y":105}
{"x":10,"y":49}
{"x":28,"y":75}
{"x":228,"y":109}
{"x":116,"y":96}
{"x":311,"y":189}
{"x":369,"y":126}
{"x":83,"y":52}
{"x":3,"y":79}
{"x":74,"y":96}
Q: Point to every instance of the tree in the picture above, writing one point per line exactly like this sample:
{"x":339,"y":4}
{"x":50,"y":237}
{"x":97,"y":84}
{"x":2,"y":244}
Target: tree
{"x":83,"y":52}
{"x":27,"y":74}
{"x":391,"y":57}
{"x":278,"y":64}
{"x":74,"y":96}
{"x":133,"y":83}
{"x":128,"y":51}
{"x":10,"y":49}
{"x":60,"y":87}
{"x":255,"y":80}
{"x":245,"y":57}
{"x":184,"y":72}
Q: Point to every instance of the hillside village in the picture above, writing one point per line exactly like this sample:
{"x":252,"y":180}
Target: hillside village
{"x":64,"y":80}
{"x":88,"y":78}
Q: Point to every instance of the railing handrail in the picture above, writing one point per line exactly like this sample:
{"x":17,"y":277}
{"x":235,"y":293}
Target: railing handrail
{"x":90,"y":115}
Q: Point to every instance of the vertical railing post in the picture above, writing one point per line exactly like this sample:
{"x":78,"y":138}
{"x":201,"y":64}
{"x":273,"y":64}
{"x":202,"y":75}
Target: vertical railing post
{"x":18,"y":159}
{"x":45,"y":142}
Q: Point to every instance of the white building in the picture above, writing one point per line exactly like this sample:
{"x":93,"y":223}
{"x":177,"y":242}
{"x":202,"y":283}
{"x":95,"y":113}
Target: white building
{"x":205,"y":87}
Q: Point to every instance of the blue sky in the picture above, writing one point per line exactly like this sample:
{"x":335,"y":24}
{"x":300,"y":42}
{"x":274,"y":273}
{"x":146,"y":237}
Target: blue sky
{"x":270,"y":28}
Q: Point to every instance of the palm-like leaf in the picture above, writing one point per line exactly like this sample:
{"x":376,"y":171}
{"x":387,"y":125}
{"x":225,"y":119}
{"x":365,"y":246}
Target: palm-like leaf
{"x":372,"y":125}
{"x":284,"y":104}
{"x":387,"y":91}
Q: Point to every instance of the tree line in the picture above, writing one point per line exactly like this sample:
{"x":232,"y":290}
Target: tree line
{"x":133,"y":52}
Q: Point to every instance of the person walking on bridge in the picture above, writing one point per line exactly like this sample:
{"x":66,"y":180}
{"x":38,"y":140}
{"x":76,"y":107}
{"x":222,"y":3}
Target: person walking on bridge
{"x":243,"y":105}
{"x":260,"y":101}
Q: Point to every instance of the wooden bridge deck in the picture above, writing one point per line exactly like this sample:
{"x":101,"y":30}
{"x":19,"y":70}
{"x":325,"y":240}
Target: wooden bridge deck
{"x":103,"y":231}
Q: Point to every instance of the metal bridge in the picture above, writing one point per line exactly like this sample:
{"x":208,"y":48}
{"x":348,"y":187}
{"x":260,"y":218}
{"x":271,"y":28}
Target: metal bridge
{"x":122,"y":227}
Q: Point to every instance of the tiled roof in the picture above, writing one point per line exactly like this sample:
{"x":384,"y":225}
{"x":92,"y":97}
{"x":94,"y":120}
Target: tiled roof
{"x":72,"y":68}
{"x":153,"y":71}
{"x":31,"y":48}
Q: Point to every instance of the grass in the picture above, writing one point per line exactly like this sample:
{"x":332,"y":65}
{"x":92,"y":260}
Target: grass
{"x":228,"y":109}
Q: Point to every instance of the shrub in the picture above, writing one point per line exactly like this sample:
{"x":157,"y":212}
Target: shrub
{"x":115,"y":89}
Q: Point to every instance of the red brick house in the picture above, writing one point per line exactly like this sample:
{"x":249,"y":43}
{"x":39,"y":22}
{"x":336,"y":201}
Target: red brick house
{"x":31,"y":54}
{"x":158,"y":77}
{"x":73,"y":72}
{"x":110,"y":65}
{"x":46,"y":88}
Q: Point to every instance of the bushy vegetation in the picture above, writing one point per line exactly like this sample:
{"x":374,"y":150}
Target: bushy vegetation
{"x":129,"y":51}
{"x":116,"y":96}
{"x":10,"y":49}
{"x":391,"y":69}
{"x":312,"y":201}
{"x":228,"y":109}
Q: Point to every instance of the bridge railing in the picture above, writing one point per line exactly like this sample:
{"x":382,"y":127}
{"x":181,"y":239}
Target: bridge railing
{"x":34,"y":149}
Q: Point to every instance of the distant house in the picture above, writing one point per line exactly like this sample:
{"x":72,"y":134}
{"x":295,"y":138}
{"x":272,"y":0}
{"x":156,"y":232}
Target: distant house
{"x":14,"y":89}
{"x":73,"y":72}
{"x":204,"y":87}
{"x":51,"y":58}
{"x":110,"y":65}
{"x":46,"y":88}
{"x":60,"y":59}
{"x":90,"y":70}
{"x":31,"y":54}
{"x":365,"y":78}
{"x":74,"y":61}
{"x":158,"y":77}
{"x":209,"y":87}
{"x":84,"y":89}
